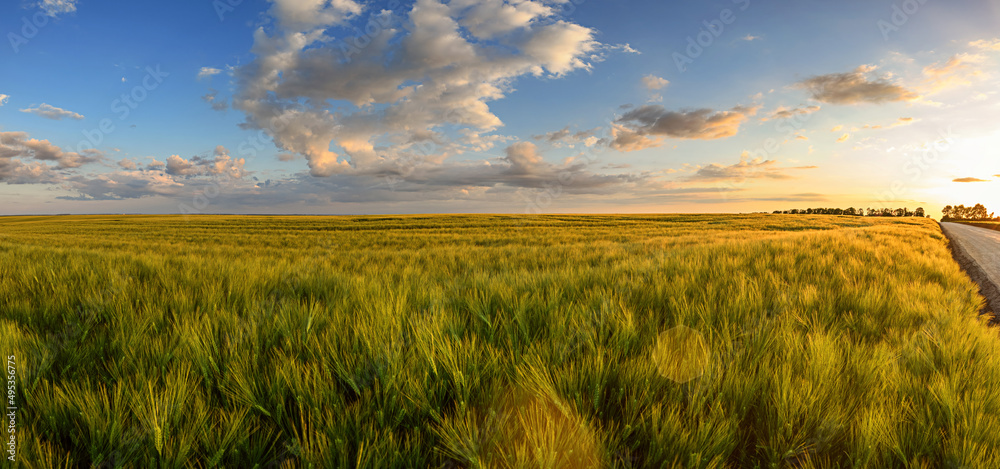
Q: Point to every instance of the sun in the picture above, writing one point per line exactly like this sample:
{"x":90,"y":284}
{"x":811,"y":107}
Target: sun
{"x":972,"y":171}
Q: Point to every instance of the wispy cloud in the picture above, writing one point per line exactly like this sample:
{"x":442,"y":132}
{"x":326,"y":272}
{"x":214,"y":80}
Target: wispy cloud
{"x":3,"y":99}
{"x":855,"y":87}
{"x":957,"y":71}
{"x":641,"y":126}
{"x":57,"y":7}
{"x":800,"y":197}
{"x":969,"y":179}
{"x":902,"y":121}
{"x":756,"y":168}
{"x":987,"y":44}
{"x":565,"y":137}
{"x":212,"y":99}
{"x":51,"y":112}
{"x":783,"y":112}
{"x":207,"y":72}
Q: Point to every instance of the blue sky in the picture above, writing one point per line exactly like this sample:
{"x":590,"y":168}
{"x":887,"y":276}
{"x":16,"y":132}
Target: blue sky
{"x":526,"y":106}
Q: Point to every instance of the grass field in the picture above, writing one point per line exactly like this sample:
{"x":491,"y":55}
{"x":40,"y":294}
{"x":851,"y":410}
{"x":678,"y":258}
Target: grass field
{"x":495,"y":341}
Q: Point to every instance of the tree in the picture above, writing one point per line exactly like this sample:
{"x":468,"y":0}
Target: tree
{"x":978,"y":212}
{"x":958,"y":212}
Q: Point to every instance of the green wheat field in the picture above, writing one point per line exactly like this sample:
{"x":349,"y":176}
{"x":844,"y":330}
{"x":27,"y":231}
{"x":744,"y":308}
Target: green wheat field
{"x":495,"y":341}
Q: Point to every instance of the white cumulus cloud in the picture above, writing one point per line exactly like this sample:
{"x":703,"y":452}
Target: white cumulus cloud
{"x":206,"y":72}
{"x":652,"y":82}
{"x":56,"y":7}
{"x":318,"y":96}
{"x":51,"y":112}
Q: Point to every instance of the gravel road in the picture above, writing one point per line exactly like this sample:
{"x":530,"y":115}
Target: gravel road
{"x":978,"y":251}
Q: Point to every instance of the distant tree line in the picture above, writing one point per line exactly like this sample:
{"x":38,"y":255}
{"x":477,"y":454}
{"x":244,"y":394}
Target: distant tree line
{"x":960,"y":212}
{"x":857,"y":212}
